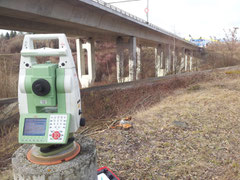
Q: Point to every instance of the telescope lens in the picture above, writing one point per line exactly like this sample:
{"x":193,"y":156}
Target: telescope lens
{"x":41,"y":87}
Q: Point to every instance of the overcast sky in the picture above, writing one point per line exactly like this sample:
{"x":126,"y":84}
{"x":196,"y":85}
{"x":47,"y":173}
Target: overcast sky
{"x":195,"y":17}
{"x":183,"y":17}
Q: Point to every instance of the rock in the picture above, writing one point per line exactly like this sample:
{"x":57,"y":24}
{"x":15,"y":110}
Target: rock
{"x":180,"y":124}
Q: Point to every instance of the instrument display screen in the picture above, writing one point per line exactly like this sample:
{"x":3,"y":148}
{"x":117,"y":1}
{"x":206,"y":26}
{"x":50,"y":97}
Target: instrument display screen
{"x":34,"y":126}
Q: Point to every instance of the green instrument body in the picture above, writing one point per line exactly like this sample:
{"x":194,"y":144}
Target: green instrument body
{"x":40,"y":126}
{"x":48,"y":93}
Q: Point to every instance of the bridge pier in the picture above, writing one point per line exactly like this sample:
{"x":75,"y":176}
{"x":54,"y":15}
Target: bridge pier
{"x":134,"y":53}
{"x":175,"y":60}
{"x":182,"y":62}
{"x":132,"y":58}
{"x":120,"y":60}
{"x":159,"y":71}
{"x":186,"y":61}
{"x":190,"y":60}
{"x":168,"y":58}
{"x":138,"y":69}
{"x":86,"y":79}
{"x":163,"y":62}
{"x":80,"y":58}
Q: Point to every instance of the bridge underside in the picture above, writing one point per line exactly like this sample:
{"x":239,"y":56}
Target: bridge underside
{"x":39,"y":24}
{"x":89,"y":20}
{"x":78,"y":18}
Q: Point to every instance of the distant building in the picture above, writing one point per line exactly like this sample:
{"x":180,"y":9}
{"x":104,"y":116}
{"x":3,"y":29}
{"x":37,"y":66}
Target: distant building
{"x":201,"y":42}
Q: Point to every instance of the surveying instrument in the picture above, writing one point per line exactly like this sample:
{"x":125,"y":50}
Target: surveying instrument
{"x":49,"y":102}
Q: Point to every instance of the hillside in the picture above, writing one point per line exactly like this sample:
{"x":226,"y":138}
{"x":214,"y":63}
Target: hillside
{"x":192,"y":134}
{"x":182,"y":132}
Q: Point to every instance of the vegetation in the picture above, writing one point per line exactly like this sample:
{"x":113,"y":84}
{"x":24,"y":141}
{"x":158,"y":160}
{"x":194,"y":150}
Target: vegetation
{"x":223,"y":53}
{"x":203,"y":145}
{"x":111,"y":105}
{"x":217,"y":54}
{"x":183,"y":128}
{"x":199,"y":140}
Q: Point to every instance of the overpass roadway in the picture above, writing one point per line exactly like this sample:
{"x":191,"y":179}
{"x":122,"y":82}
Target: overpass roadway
{"x":83,"y":18}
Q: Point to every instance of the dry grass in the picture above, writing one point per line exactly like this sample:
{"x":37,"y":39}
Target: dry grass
{"x":6,"y":174}
{"x":206,"y":147}
{"x":8,"y":145}
{"x":9,"y":75}
{"x":233,"y":72}
{"x":193,"y":133}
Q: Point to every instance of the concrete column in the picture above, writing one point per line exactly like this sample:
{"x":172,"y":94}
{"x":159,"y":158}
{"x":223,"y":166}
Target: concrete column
{"x":173,"y":62}
{"x":132,"y":58}
{"x":176,"y":59}
{"x":162,"y":64}
{"x":83,"y":166}
{"x":138,"y":73}
{"x":134,"y":53}
{"x":120,"y":60}
{"x":157,"y":61}
{"x":168,"y":58}
{"x":80,"y":59}
{"x":186,"y":61}
{"x":174,"y":65}
{"x":159,"y":71}
{"x":89,"y":46}
{"x":86,"y":79}
{"x":197,"y":61}
{"x":182,"y":63}
{"x":190,"y":60}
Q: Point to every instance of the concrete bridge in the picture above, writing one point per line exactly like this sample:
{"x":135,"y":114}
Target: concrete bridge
{"x":97,"y":20}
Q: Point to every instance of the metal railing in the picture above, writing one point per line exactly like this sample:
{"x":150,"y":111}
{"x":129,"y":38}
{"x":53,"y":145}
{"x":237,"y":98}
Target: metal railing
{"x":140,"y":20}
{"x":125,"y":13}
{"x":137,"y":19}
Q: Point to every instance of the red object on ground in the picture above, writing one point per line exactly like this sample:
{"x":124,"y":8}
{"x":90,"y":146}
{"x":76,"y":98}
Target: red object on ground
{"x":108,"y":173}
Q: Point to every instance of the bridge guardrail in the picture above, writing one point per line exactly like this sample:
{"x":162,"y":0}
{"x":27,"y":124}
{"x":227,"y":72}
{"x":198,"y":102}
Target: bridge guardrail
{"x":125,"y":13}
{"x":140,"y":20}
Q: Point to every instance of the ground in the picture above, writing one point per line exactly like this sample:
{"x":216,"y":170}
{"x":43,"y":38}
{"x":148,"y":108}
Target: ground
{"x":193,"y":133}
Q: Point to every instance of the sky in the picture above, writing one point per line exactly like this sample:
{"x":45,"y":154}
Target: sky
{"x":198,"y":18}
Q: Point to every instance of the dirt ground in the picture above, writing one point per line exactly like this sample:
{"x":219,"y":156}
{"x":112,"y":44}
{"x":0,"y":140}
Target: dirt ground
{"x":194,"y":133}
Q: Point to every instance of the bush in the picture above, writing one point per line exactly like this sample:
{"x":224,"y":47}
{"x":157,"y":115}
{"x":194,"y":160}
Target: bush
{"x":9,"y":75}
{"x":223,"y":53}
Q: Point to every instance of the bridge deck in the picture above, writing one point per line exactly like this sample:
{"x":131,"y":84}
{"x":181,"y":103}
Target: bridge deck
{"x":82,"y":18}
